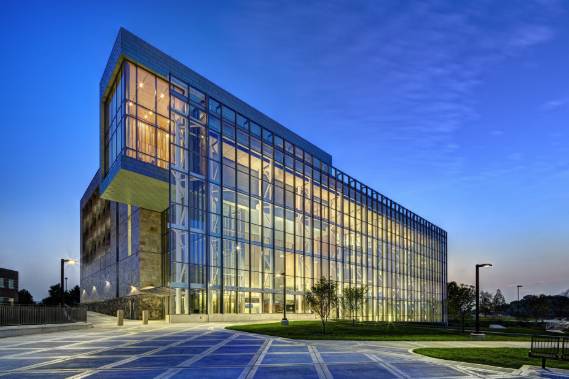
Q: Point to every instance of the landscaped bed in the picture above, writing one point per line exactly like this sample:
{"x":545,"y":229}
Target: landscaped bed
{"x":370,"y":331}
{"x":502,"y":357}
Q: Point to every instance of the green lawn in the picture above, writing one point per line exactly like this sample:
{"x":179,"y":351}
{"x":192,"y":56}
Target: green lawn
{"x":369,"y":331}
{"x":502,"y":357}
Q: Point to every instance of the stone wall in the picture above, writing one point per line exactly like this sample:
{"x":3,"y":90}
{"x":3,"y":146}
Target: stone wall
{"x":149,"y":248}
{"x":131,"y":305}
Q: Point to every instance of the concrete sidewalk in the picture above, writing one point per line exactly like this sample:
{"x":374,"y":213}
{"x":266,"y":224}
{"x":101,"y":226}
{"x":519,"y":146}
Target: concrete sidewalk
{"x":161,"y":350}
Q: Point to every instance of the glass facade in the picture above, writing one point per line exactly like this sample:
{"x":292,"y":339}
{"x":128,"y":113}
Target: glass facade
{"x":254,"y":220}
{"x":137,"y":118}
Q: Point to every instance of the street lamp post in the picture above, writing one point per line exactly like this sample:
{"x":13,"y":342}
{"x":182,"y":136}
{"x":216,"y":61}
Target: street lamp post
{"x":66,"y":284}
{"x":284,"y":321}
{"x":63,"y":262}
{"x":518,"y":305}
{"x":478,"y":294}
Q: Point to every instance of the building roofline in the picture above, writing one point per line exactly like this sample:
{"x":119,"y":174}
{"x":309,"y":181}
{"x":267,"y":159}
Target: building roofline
{"x":128,"y":45}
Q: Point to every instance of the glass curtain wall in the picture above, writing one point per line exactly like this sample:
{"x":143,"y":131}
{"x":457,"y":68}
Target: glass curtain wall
{"x":137,"y":117}
{"x":252,"y":214}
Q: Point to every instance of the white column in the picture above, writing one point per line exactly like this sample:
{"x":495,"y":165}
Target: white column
{"x":178,"y":301}
{"x":187,"y":302}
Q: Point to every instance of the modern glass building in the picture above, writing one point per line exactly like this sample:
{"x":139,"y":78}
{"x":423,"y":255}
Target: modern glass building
{"x":206,"y":208}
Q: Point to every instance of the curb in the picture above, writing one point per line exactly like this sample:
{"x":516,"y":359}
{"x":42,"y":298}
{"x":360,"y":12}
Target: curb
{"x":25,"y":330}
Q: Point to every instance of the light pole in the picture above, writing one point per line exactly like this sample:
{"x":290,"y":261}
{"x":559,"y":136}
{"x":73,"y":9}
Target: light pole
{"x":478,"y":294}
{"x":66,"y":284}
{"x":284,"y":321}
{"x":63,"y":262}
{"x":518,"y":305}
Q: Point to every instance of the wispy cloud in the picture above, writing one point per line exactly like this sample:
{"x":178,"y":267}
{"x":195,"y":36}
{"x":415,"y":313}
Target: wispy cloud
{"x":555,"y":104}
{"x":405,"y":72}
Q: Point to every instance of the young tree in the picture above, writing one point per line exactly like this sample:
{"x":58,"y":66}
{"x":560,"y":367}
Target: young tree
{"x":499,"y":301}
{"x":54,"y":296}
{"x":461,"y":300}
{"x":537,"y":306}
{"x":322,"y":298}
{"x":71,"y":298}
{"x":25,"y":297}
{"x":352,"y":301}
{"x":486,"y":305}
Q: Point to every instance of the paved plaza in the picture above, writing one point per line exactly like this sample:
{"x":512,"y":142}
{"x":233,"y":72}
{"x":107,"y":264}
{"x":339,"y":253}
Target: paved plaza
{"x":209,"y":351}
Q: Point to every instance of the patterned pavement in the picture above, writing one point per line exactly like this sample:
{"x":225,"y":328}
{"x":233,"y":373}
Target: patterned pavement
{"x":209,"y":351}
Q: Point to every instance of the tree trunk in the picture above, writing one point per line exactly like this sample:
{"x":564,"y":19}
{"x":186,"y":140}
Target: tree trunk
{"x":323,"y":327}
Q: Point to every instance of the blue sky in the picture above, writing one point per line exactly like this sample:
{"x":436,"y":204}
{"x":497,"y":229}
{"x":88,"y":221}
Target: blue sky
{"x":458,"y":110}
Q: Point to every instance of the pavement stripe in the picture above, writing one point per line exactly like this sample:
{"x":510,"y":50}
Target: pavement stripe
{"x":392,"y":369}
{"x":253,"y":368}
{"x":321,"y":368}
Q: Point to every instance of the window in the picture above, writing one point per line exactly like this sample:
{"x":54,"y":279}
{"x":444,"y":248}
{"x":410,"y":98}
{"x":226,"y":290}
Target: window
{"x":146,"y":89}
{"x":242,"y":122}
{"x":214,"y":107}
{"x":197,"y":97}
{"x":255,"y":130}
{"x":228,"y":114}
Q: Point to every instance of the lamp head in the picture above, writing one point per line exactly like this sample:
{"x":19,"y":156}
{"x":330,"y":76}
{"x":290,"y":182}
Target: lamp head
{"x":484,"y":265}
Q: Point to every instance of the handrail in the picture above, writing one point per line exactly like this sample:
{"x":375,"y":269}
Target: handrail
{"x":39,"y":314}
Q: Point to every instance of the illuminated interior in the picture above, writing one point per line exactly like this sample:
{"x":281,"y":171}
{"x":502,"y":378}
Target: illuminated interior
{"x":137,"y":117}
{"x":246,"y":206}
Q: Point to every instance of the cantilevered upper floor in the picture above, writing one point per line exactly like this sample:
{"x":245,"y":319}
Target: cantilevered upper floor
{"x":136,"y":96}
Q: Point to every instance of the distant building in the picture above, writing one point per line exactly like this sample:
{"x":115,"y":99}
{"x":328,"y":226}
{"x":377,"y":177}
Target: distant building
{"x":8,"y":286}
{"x":204,"y":208}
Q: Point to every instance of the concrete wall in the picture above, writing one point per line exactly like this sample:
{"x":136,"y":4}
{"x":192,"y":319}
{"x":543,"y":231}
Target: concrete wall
{"x":131,"y":305}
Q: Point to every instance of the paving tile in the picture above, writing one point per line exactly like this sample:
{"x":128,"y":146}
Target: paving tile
{"x":223,"y":360}
{"x":14,"y":363}
{"x":286,"y":372}
{"x":288,"y":349}
{"x":211,"y":373}
{"x":237,"y":349}
{"x":182,"y":350}
{"x":154,"y":344}
{"x":360,"y":371}
{"x":344,"y":357}
{"x":46,"y":375}
{"x":245,"y":342}
{"x":54,"y":353}
{"x":45,"y":344}
{"x":96,"y":344}
{"x":200,"y":343}
{"x":125,"y":351}
{"x":5,"y":352}
{"x":427,"y":370}
{"x":167,"y":361}
{"x":329,"y":349}
{"x":138,"y":374}
{"x":287,"y":358}
{"x":93,"y":362}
